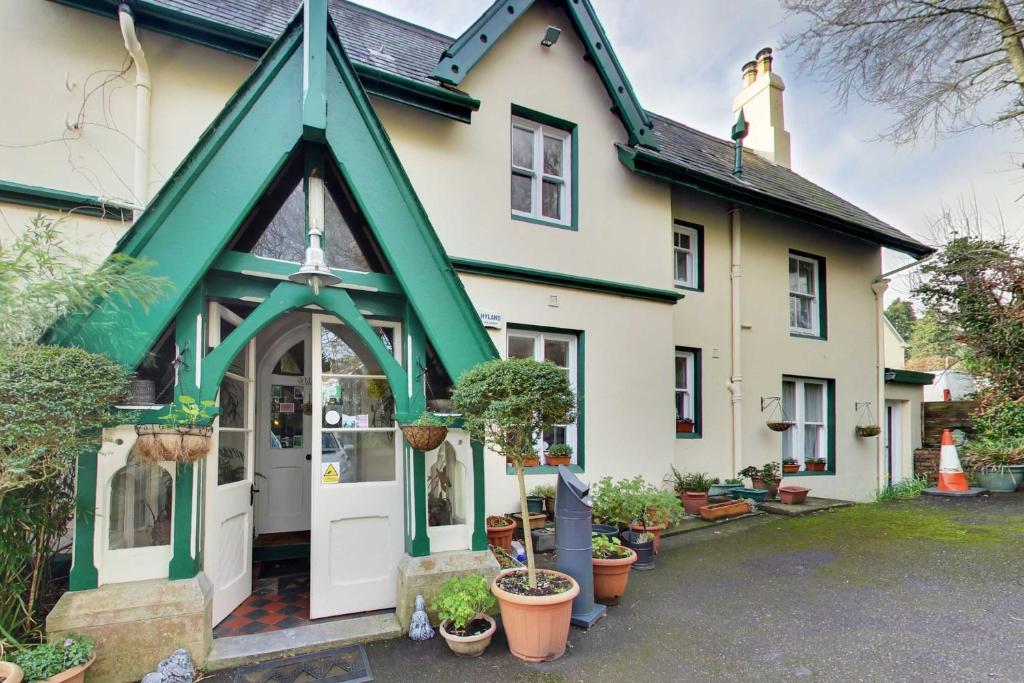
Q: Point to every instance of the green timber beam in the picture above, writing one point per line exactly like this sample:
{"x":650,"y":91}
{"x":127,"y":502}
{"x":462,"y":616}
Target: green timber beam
{"x":314,"y":69}
{"x":256,"y":266}
{"x":59,"y":200}
{"x":416,"y":352}
{"x":83,"y":570}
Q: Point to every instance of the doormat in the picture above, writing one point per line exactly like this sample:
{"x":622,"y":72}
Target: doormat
{"x":340,"y":665}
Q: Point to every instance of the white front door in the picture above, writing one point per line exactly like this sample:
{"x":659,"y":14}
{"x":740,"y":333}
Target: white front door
{"x":893,"y":442}
{"x":285,"y":446}
{"x":229,"y":479}
{"x":357,"y":527}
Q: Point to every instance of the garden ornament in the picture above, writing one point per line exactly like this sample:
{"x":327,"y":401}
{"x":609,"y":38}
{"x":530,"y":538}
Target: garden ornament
{"x":177,"y":668}
{"x":419,"y":628}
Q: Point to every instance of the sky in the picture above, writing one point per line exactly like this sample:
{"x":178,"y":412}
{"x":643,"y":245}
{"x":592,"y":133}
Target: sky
{"x":684,"y":57}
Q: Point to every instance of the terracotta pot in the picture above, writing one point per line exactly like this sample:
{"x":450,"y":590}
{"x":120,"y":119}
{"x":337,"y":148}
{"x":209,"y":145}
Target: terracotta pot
{"x":793,"y":495}
{"x":555,"y":460}
{"x":816,"y":466}
{"x":173,"y":444}
{"x":549,"y":507}
{"x":654,"y":529}
{"x":772,"y":487}
{"x":532,"y":461}
{"x":732,"y":508}
{"x":611,"y":577}
{"x":684,"y":428}
{"x":537,"y":627}
{"x":537,"y":519}
{"x":11,"y":672}
{"x":425,"y":438}
{"x":693,"y":501}
{"x":501,"y":536}
{"x":75,"y":674}
{"x":469,"y":646}
{"x":790,"y":469}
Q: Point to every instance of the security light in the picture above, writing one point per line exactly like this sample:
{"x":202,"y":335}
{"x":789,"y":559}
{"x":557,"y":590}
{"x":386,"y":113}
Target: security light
{"x":314,"y":271}
{"x":551,"y":36}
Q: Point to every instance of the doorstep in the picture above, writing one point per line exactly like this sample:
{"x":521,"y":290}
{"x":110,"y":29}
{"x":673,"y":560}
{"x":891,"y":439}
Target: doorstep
{"x":811,"y":505}
{"x":260,"y":647}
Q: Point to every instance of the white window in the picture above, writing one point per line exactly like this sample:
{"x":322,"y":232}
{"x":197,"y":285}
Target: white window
{"x":805,"y":401}
{"x":560,"y":349}
{"x":684,"y":391}
{"x":684,"y":247}
{"x":541,"y":171}
{"x":804,"y":296}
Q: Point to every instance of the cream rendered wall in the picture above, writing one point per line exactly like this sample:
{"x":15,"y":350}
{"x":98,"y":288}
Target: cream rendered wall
{"x":895,"y":347}
{"x":92,"y":237}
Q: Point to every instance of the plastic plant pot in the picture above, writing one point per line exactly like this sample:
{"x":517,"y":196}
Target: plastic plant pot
{"x":793,"y":495}
{"x":756,"y":495}
{"x":501,"y":536}
{"x":1001,"y":480}
{"x":644,"y":550}
{"x":693,"y":501}
{"x":535,"y":504}
{"x":611,"y":576}
{"x":722,"y":489}
{"x":606,"y":530}
{"x":537,"y":627}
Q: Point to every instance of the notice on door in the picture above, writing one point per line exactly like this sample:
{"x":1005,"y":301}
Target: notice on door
{"x":329,"y":473}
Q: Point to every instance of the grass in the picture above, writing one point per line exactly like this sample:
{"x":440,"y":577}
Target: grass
{"x":908,"y":488}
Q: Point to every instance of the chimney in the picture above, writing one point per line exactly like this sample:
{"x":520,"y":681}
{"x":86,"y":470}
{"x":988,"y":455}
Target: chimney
{"x":761,"y":104}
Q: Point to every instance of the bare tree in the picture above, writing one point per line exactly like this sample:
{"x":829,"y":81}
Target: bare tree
{"x":943,"y":66}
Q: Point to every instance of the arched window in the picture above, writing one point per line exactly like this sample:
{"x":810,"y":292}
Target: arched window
{"x":446,"y":485}
{"x":140,"y":506}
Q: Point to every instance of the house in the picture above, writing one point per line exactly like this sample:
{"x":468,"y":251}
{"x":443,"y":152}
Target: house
{"x":502,"y":193}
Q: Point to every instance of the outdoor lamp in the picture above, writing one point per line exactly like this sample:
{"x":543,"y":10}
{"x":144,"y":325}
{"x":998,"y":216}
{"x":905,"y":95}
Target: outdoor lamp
{"x":551,"y":36}
{"x":314,"y":271}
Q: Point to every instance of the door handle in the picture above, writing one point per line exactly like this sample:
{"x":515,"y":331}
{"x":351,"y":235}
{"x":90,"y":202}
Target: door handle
{"x":309,"y":456}
{"x":252,"y":494}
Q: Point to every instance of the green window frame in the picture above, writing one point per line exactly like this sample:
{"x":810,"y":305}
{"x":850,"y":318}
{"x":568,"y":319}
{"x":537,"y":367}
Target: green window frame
{"x":812,"y":291}
{"x":540,"y":332}
{"x":544,"y":128}
{"x":688,"y":255}
{"x":688,"y":392}
{"x":820,"y":418}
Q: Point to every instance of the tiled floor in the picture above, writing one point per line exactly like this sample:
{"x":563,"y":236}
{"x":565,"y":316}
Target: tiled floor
{"x":276,"y":603}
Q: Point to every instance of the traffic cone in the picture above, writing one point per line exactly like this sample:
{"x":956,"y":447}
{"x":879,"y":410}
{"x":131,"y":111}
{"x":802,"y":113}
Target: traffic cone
{"x":951,"y":475}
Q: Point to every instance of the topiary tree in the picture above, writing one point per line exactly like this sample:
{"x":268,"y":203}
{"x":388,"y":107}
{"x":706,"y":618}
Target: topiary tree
{"x":508,"y":405}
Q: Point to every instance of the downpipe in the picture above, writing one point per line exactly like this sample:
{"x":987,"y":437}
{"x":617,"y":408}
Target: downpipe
{"x":143,"y":92}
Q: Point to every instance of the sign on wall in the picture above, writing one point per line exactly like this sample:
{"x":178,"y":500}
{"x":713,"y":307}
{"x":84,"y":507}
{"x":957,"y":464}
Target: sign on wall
{"x":491,"y":319}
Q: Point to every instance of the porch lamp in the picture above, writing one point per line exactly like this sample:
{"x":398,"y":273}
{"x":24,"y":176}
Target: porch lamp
{"x":314,"y":271}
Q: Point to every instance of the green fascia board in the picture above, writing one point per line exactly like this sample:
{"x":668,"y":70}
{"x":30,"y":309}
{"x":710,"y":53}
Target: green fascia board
{"x":257,"y":266}
{"x":437,"y":99}
{"x":643,"y":162}
{"x":459,"y":59}
{"x":898,"y":376}
{"x":544,"y":277}
{"x":61,"y":200}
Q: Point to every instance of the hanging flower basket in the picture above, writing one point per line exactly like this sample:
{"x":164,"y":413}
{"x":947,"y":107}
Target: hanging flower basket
{"x":425,"y":438}
{"x":780,"y":425}
{"x":174,"y":444}
{"x":868,"y":430}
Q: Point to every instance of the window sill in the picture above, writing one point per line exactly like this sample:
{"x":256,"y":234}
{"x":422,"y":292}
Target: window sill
{"x":543,"y":469}
{"x":544,"y":222}
{"x":688,"y":435}
{"x":808,"y":335}
{"x":826,"y":473}
{"x":688,"y":288}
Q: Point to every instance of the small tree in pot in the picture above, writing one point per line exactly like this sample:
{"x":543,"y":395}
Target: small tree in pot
{"x":507,"y":405}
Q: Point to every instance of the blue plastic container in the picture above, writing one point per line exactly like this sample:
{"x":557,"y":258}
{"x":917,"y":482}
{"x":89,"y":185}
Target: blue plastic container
{"x":756,"y":495}
{"x":723,"y":489}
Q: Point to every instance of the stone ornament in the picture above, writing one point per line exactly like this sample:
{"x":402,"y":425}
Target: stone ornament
{"x":419,"y":627}
{"x":177,"y":668}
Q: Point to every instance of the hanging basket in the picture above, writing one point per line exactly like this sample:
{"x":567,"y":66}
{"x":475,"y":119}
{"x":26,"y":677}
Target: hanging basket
{"x":174,"y":444}
{"x":425,"y":438}
{"x":780,"y":425}
{"x":866,"y":425}
{"x":868,"y":430}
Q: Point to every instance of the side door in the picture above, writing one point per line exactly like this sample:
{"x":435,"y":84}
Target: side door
{"x":357,"y":526}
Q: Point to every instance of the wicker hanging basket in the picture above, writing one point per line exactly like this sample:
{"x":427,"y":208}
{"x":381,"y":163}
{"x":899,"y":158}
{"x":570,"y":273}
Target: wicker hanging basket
{"x":868,"y":430}
{"x":425,"y":438}
{"x":780,"y":425}
{"x":173,"y":444}
{"x":866,"y":424}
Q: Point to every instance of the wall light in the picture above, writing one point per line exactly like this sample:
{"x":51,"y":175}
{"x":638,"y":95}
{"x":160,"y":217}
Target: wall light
{"x":551,"y":36}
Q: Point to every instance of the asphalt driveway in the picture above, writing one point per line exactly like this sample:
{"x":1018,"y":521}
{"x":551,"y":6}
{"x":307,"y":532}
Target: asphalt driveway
{"x":923,"y":590}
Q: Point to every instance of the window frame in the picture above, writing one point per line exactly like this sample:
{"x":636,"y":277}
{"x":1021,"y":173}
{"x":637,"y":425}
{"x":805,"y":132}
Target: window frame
{"x":695,"y":390}
{"x":828,"y":432}
{"x":696,"y":234}
{"x":576,"y":356}
{"x":545,"y":125}
{"x":819,"y":300}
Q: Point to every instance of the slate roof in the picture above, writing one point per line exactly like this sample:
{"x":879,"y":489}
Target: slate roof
{"x":391,"y":44}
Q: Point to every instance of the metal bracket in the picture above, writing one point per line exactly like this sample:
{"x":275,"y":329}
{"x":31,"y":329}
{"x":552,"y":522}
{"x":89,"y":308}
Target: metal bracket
{"x":768,"y":401}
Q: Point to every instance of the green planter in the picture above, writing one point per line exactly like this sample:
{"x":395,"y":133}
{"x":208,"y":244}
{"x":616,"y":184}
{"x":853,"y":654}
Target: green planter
{"x":535,"y":504}
{"x":756,"y":495}
{"x":722,"y":489}
{"x":1018,"y":473}
{"x":1002,"y":480}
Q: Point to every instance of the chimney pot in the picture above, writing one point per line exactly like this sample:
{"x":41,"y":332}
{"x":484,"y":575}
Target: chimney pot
{"x":764,"y":60}
{"x":749,"y":73}
{"x":760,"y":101}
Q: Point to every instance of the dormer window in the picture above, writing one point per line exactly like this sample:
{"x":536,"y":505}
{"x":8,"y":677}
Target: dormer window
{"x":542,"y":172}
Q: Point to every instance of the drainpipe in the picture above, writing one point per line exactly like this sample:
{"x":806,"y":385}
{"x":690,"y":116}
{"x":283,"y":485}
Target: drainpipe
{"x":143,"y":90}
{"x":878,"y":287}
{"x":736,"y":375}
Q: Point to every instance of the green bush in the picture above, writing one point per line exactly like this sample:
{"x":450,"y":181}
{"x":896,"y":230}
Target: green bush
{"x":635,"y":500}
{"x":908,"y":488}
{"x":694,"y":481}
{"x":1002,"y":421}
{"x":462,"y":598}
{"x":605,"y":548}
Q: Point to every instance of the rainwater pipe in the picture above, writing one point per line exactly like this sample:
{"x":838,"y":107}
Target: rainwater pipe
{"x":735,"y":373}
{"x":143,"y":91}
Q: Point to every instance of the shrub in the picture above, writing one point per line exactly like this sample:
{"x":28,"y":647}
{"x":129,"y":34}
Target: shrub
{"x":908,"y":488}
{"x":635,"y":500}
{"x":543,"y":491}
{"x":49,"y":659}
{"x":695,"y":481}
{"x":1002,"y":421}
{"x":461,"y":599}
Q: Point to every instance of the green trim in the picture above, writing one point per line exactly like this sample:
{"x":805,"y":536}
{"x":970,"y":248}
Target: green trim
{"x":237,"y":262}
{"x":469,"y":48}
{"x":60,"y":200}
{"x":698,"y":394}
{"x":479,"y":486}
{"x":417,"y":355}
{"x":899,"y":376}
{"x":830,"y":426}
{"x":822,"y":297}
{"x":544,"y":277}
{"x":645,"y":163}
{"x":183,"y":564}
{"x":542,"y":469}
{"x":270,"y":553}
{"x":83,"y":572}
{"x":314,"y":69}
{"x":699,"y":249}
{"x":574,"y":155}
{"x":546,"y":223}
{"x":153,"y":16}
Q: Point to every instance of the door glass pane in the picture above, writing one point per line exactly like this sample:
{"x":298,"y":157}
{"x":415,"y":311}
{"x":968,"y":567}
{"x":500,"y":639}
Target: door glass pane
{"x":292,"y":361}
{"x":551,"y":194}
{"x":344,"y":353}
{"x":233,"y":396}
{"x":522,"y":193}
{"x":360,"y":456}
{"x":140,"y":506}
{"x":552,"y":156}
{"x":814,"y":403}
{"x":520,"y":347}
{"x":353,"y":403}
{"x":557,"y":351}
{"x":286,"y":405}
{"x":522,"y":147}
{"x":231,"y":457}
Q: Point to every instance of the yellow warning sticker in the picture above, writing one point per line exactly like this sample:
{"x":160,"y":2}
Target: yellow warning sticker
{"x":329,"y":473}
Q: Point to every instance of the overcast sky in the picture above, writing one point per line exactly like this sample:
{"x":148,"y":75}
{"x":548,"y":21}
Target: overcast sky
{"x":684,"y":57}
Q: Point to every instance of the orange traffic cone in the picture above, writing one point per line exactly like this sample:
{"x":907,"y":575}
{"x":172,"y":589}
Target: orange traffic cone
{"x":951,"y":475}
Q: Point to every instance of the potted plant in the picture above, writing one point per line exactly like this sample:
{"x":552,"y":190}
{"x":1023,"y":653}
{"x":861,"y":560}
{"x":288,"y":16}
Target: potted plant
{"x":652,"y":510}
{"x":992,"y":460}
{"x":183,"y":435}
{"x":612,"y":563}
{"x":730,"y":508}
{"x":499,"y":531}
{"x":462,"y":606}
{"x":547,"y":493}
{"x":692,"y":489}
{"x":815,"y":464}
{"x":766,"y":477}
{"x":426,"y":432}
{"x":559,"y":454}
{"x":64,"y":661}
{"x":508,"y":404}
{"x":790,"y":465}
{"x":684,"y":426}
{"x":506,"y":562}
{"x":535,"y":503}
